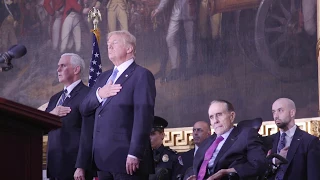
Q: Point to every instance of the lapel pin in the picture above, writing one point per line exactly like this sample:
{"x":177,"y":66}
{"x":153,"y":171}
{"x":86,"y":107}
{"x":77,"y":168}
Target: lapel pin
{"x":126,"y":75}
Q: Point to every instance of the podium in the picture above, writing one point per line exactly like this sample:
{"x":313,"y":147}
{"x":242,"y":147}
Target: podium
{"x":21,"y":131}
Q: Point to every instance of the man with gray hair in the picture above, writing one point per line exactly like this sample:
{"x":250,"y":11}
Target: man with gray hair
{"x":63,"y":143}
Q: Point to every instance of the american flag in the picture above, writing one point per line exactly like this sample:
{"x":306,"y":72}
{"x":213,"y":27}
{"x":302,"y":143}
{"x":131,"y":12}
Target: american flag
{"x":95,"y":65}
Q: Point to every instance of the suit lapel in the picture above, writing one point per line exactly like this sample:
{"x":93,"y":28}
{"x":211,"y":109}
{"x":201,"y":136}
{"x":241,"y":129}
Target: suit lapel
{"x":227,"y":144}
{"x":275,"y":143}
{"x":296,"y":140}
{"x":73,"y":93}
{"x":54,"y":102}
{"x":199,"y":156}
{"x":123,"y":78}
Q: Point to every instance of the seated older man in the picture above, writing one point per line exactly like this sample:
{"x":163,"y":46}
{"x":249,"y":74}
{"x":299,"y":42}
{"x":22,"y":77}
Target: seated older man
{"x":229,"y":149}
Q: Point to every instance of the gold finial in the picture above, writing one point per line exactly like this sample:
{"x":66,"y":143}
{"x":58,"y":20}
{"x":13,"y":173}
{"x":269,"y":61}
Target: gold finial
{"x":94,"y":15}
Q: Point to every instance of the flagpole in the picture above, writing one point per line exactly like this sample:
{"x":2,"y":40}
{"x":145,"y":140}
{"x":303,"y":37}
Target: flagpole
{"x":95,"y":65}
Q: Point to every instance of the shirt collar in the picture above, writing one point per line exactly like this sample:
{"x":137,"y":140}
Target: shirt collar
{"x":122,"y":67}
{"x":226,"y":134}
{"x":72,"y":86}
{"x":290,"y":132}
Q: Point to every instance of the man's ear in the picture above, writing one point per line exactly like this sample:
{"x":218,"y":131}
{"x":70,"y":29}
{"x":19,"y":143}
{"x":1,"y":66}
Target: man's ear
{"x":129,"y":49}
{"x":232,"y":116}
{"x":77,"y":70}
{"x":292,"y":113}
{"x":162,"y":135}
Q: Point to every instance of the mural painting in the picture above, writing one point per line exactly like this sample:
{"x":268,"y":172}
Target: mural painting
{"x":249,"y":52}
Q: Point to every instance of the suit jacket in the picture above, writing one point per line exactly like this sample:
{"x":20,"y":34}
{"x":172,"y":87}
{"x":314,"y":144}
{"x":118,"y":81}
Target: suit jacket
{"x":123,"y":123}
{"x":63,"y":143}
{"x":187,"y":160}
{"x":242,"y":151}
{"x":303,"y":161}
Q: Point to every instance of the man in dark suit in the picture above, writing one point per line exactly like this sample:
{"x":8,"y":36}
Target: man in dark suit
{"x":164,"y":157}
{"x":297,"y":146}
{"x":123,"y":102}
{"x":229,"y":149}
{"x":63,"y":143}
{"x":200,"y":132}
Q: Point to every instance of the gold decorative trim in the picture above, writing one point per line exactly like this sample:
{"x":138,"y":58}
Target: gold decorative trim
{"x":181,"y":140}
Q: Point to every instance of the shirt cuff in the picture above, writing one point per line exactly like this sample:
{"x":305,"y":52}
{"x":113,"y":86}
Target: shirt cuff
{"x":129,"y":155}
{"x":98,"y":97}
{"x":274,"y":162}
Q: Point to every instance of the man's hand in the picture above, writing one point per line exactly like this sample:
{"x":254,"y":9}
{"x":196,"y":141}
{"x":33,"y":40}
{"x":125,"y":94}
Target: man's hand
{"x":154,"y":13}
{"x":109,"y":90}
{"x":221,"y":173}
{"x":85,"y":10}
{"x":283,"y":152}
{"x":57,"y":14}
{"x":193,"y":177}
{"x":61,"y":111}
{"x":132,"y":165}
{"x":79,"y":174}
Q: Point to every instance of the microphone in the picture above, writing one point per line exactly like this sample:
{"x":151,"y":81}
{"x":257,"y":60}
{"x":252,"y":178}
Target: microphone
{"x":279,"y":157}
{"x":15,"y":51}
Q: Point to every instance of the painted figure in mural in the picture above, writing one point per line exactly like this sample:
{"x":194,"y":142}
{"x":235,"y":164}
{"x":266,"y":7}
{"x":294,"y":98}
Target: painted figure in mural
{"x":55,"y":9}
{"x":71,"y":29}
{"x":309,"y":16}
{"x":209,"y":26}
{"x":183,"y":15}
{"x":117,"y":10}
{"x":9,"y":17}
{"x":31,"y":28}
{"x":63,"y":154}
{"x":164,"y":157}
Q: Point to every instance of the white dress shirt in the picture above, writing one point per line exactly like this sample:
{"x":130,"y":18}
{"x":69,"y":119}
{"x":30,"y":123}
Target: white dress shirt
{"x":195,"y":149}
{"x":214,"y":155}
{"x":70,"y":88}
{"x":121,"y":68}
{"x":289,"y":136}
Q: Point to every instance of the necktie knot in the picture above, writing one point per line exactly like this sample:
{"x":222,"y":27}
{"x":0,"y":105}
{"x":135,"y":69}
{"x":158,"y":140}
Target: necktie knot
{"x":63,"y":97}
{"x":113,"y":75}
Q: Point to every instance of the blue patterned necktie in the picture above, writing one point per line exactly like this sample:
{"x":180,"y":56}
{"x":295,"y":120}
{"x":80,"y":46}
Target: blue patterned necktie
{"x":281,"y":145}
{"x":63,"y":97}
{"x":111,"y":78}
{"x":282,"y":142}
{"x":113,"y":75}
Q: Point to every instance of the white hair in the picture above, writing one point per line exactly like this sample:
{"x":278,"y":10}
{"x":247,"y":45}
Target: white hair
{"x":76,"y":60}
